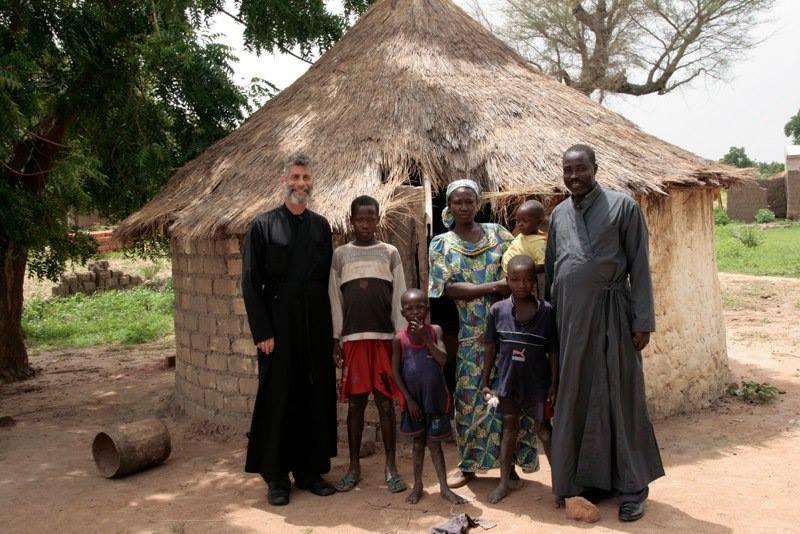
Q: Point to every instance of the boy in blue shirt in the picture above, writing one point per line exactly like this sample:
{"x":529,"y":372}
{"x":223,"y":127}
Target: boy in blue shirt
{"x":522,"y":329}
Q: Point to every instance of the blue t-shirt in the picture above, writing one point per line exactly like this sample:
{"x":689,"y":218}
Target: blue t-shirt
{"x":523,"y":370}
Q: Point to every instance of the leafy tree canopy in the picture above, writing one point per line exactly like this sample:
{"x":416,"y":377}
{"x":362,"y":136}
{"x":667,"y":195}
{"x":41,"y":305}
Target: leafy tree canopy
{"x":792,"y":129}
{"x":737,"y":157}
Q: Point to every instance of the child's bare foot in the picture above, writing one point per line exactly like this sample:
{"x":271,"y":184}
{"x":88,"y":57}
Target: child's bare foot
{"x":415,"y":495}
{"x":499,"y":493}
{"x":448,"y":495}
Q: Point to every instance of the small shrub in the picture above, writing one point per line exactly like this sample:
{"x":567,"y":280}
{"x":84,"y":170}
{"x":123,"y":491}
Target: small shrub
{"x":151,"y":270}
{"x":721,"y":217}
{"x":749,"y":236}
{"x":765,"y":215}
{"x":754,"y":392}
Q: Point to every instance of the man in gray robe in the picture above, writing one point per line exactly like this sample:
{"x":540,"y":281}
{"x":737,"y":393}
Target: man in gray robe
{"x":598,"y":279}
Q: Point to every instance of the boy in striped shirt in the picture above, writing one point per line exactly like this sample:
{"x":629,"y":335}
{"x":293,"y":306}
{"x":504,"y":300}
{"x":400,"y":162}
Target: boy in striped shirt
{"x":365,"y":286}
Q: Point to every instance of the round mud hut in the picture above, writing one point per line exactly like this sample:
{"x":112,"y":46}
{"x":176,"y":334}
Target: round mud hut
{"x":415,"y":95}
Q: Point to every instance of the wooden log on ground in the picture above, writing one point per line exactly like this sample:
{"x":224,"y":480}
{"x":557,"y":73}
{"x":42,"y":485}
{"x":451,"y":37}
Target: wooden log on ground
{"x":131,"y":447}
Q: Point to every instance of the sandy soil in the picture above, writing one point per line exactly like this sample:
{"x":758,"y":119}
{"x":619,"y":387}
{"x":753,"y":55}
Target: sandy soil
{"x":731,"y":468}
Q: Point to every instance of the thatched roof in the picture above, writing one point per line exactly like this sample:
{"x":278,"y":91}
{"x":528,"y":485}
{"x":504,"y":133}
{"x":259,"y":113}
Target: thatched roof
{"x":415,"y":84}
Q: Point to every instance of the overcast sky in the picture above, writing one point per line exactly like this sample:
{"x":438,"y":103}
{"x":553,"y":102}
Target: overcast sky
{"x":749,"y":109}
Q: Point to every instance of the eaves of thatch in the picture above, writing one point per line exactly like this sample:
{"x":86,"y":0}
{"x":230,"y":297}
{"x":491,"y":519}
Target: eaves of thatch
{"x":415,"y":87}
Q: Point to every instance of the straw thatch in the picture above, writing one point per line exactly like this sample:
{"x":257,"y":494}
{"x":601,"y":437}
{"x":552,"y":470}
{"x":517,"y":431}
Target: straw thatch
{"x":414,"y":86}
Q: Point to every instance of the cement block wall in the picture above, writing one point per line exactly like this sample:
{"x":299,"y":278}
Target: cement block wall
{"x":216,"y":371}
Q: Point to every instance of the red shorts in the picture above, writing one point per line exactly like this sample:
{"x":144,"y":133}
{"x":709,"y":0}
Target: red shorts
{"x":367,"y":368}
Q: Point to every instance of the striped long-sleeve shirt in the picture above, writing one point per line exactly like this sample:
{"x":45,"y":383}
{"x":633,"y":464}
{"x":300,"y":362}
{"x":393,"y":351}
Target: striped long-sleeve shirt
{"x":365,"y":287}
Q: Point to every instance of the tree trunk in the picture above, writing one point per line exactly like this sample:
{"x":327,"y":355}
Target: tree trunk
{"x":28,"y":167}
{"x":13,"y":356}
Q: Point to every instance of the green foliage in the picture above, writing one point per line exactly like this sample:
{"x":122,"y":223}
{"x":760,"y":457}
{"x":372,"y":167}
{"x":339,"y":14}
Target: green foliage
{"x":766,"y":170}
{"x":765,"y":215}
{"x":777,"y":255}
{"x":792,"y":129}
{"x":721,"y":217}
{"x":737,"y":157}
{"x":133,"y":316}
{"x":754,"y":392}
{"x":121,"y":94}
{"x":748,"y":236}
{"x":151,"y":270}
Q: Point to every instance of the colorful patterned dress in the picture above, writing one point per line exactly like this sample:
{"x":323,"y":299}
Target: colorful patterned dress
{"x":455,"y":260}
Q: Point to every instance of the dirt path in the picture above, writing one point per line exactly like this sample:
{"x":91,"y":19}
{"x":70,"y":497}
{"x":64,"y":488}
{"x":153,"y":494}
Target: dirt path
{"x":733,"y":467}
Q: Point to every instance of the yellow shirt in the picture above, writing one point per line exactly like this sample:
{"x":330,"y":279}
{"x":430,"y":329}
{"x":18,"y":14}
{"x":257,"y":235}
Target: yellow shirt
{"x":533,"y":245}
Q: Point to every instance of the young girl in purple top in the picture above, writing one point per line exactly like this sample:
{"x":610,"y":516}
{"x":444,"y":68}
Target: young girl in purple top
{"x":522,"y":329}
{"x":417,"y":358}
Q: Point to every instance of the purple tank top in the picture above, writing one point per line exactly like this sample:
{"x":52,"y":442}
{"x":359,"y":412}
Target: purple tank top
{"x":423,"y":376}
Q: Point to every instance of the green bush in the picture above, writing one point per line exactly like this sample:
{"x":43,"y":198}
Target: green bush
{"x":721,"y":217}
{"x":134,"y":316}
{"x":748,"y":236}
{"x":765,"y":215}
{"x":754,"y":392}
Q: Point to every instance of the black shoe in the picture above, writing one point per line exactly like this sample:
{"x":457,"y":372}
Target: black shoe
{"x":315,"y":485}
{"x":631,"y":511}
{"x":278,"y":493}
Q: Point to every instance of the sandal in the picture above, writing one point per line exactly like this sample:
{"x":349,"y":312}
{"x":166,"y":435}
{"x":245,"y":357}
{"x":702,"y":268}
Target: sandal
{"x":396,"y":484}
{"x":347,"y":483}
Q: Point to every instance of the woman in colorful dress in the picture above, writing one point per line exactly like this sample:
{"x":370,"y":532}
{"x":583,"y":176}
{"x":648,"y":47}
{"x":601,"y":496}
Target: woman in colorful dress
{"x":465,"y":266}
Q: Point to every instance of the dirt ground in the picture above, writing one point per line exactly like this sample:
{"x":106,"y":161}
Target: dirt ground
{"x":732,"y":468}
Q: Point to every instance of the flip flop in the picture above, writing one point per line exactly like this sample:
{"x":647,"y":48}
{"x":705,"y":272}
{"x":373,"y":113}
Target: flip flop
{"x":347,"y":483}
{"x":396,"y":484}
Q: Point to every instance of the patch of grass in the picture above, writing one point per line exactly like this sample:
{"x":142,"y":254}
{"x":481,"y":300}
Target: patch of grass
{"x":777,"y":255}
{"x":721,"y":217}
{"x":125,"y":317}
{"x":754,"y":392}
{"x":730,"y":301}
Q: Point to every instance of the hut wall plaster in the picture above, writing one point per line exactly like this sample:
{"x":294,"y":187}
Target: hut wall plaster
{"x":686,"y":364}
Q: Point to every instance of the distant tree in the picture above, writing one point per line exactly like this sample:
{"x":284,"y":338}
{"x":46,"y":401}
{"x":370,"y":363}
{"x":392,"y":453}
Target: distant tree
{"x":633,"y":47}
{"x":737,"y":157}
{"x":100,"y":101}
{"x":768,"y":169}
{"x":792,"y":129}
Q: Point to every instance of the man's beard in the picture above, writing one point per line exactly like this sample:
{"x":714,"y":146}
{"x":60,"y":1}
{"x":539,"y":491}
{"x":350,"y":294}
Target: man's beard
{"x":294,"y":198}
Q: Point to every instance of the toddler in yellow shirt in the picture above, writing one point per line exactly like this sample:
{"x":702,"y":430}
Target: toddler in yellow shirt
{"x":529,"y":241}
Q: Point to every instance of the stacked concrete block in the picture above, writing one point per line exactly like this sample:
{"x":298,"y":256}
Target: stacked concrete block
{"x":99,"y":277}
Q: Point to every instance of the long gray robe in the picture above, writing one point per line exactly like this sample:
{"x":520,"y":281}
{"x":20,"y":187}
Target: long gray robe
{"x":598,"y":277}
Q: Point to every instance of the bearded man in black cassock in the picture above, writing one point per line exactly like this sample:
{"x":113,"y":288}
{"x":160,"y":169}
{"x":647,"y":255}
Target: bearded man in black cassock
{"x":598,"y":273}
{"x":286,"y":263}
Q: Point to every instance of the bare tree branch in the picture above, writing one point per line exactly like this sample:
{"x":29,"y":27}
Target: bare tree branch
{"x":632,"y":47}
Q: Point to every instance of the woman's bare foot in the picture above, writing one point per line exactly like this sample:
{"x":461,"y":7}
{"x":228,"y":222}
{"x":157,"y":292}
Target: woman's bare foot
{"x":448,"y":495}
{"x":499,"y":493}
{"x":415,"y":495}
{"x":459,"y":479}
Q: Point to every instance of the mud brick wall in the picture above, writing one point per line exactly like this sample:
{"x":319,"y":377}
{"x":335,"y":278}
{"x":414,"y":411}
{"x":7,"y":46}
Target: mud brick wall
{"x":776,"y":195}
{"x":745,"y":199}
{"x":793,"y":191}
{"x":215,"y":366}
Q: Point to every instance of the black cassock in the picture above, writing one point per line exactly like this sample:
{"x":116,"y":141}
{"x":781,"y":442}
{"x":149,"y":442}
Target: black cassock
{"x":286,"y":264}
